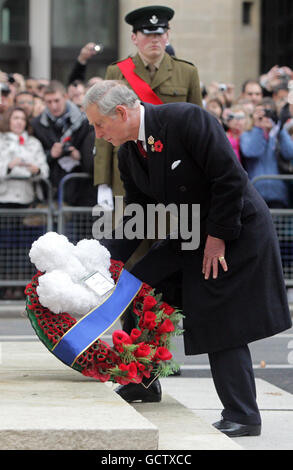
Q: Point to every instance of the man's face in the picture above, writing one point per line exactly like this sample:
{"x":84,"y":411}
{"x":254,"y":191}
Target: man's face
{"x":31,"y":85}
{"x":5,"y":102}
{"x":151,"y":46}
{"x":25,"y":102}
{"x":56,"y":103}
{"x":113,"y":129}
{"x":253,"y":92}
{"x":76,"y":94}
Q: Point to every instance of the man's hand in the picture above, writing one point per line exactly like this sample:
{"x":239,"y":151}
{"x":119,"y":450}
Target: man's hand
{"x":74,"y":153}
{"x":86,"y":53}
{"x":214,"y":253}
{"x":56,"y":150}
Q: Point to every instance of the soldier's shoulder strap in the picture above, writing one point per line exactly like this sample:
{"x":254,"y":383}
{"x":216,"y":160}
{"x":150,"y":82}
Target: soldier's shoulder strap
{"x":182,"y":60}
{"x":139,"y":86}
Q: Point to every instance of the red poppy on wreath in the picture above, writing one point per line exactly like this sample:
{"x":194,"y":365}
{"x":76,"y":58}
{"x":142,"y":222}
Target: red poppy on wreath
{"x":158,"y":146}
{"x":133,"y":356}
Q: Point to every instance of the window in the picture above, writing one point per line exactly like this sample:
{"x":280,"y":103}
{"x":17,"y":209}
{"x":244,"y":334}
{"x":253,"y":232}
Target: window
{"x":14,"y":47}
{"x":74,"y":24}
{"x":14,"y":21}
{"x":246,"y":12}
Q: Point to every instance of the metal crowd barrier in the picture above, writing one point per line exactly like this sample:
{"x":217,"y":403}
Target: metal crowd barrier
{"x":283,"y":221}
{"x":75,"y":222}
{"x":18,"y":229}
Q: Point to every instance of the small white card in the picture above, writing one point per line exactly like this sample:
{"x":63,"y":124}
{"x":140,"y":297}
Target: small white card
{"x":99,"y":283}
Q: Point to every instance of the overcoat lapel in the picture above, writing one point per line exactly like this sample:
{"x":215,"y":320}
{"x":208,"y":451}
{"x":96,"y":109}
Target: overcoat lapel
{"x":157,"y":160}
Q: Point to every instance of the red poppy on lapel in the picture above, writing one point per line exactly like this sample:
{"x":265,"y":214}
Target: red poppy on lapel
{"x":158,"y":146}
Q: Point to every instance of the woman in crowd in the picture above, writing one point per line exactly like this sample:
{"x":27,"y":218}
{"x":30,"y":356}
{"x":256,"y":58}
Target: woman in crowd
{"x":258,"y":149}
{"x":237,"y":122}
{"x":21,"y":156}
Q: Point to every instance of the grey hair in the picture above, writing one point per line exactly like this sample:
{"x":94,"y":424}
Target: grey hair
{"x":107,"y":94}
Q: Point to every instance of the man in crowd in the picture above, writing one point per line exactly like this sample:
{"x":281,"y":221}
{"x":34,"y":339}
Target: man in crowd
{"x":252,"y":91}
{"x":68,"y":142}
{"x":25,"y":100}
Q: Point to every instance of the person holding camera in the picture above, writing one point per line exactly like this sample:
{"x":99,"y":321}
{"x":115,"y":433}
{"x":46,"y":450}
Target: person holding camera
{"x":258,"y":149}
{"x":68,"y":142}
{"x":237,"y":122}
{"x":78,"y":72}
{"x":275,"y":77}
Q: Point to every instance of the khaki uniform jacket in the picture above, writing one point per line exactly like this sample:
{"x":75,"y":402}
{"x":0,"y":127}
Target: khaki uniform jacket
{"x":175,"y":81}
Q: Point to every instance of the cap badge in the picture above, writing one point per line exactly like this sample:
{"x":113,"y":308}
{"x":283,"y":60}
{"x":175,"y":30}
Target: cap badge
{"x":154,"y":19}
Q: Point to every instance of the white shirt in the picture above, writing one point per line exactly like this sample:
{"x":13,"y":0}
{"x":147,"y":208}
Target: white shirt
{"x":141,"y":131}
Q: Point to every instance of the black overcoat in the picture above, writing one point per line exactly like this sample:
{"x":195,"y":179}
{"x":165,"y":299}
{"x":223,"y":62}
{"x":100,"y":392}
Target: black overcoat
{"x":248,"y":302}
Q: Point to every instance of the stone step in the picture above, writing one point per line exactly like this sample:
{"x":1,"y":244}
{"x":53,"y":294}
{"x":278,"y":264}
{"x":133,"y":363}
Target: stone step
{"x":46,"y":405}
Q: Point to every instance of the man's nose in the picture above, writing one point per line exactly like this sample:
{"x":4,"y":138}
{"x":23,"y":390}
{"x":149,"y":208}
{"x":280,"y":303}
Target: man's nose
{"x":99,"y":133}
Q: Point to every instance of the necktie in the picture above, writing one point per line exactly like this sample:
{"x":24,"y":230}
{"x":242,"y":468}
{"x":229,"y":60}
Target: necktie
{"x":21,"y":140}
{"x":152,"y":69}
{"x":141,"y":149}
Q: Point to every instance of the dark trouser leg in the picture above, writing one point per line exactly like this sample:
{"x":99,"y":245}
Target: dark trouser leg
{"x":233,"y":377}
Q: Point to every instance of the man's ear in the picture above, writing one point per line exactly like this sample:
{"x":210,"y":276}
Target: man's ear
{"x":122,"y":112}
{"x":133,"y":38}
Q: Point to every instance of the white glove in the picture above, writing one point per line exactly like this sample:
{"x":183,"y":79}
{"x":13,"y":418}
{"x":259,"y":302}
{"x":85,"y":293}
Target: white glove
{"x":105,"y":197}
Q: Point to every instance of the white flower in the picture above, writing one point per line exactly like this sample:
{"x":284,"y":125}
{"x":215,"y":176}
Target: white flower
{"x":61,"y":288}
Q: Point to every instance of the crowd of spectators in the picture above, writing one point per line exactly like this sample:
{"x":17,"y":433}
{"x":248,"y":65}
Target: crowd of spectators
{"x":258,"y":124}
{"x":44,"y":131}
{"x":56,"y":122}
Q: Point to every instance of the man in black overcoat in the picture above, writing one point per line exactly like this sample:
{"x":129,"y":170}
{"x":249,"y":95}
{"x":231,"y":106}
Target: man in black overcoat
{"x":231,"y":287}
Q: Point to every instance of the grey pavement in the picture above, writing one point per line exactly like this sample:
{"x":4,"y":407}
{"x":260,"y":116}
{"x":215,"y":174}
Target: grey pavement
{"x":33,"y":383}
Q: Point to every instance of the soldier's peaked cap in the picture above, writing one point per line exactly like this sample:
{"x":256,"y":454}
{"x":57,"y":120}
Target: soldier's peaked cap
{"x":150,"y":20}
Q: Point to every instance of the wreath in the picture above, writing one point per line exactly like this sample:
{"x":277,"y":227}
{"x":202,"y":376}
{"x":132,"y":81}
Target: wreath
{"x":132,"y":356}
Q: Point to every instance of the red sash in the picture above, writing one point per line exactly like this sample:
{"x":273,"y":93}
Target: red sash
{"x":141,"y":88}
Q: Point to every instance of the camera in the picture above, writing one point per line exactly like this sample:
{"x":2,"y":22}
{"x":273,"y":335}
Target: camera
{"x":269,"y":113}
{"x":99,"y":48}
{"x":230,"y":117}
{"x":10,"y":78}
{"x":4,"y":89}
{"x":65,"y":149}
{"x":222,"y":87}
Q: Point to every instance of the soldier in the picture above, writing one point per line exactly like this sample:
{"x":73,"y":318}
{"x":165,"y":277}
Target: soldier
{"x":154,"y":75}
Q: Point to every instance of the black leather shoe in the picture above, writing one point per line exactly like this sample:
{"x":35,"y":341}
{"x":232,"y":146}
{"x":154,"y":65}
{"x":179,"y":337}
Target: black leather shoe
{"x":137,"y":392}
{"x":237,"y":430}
